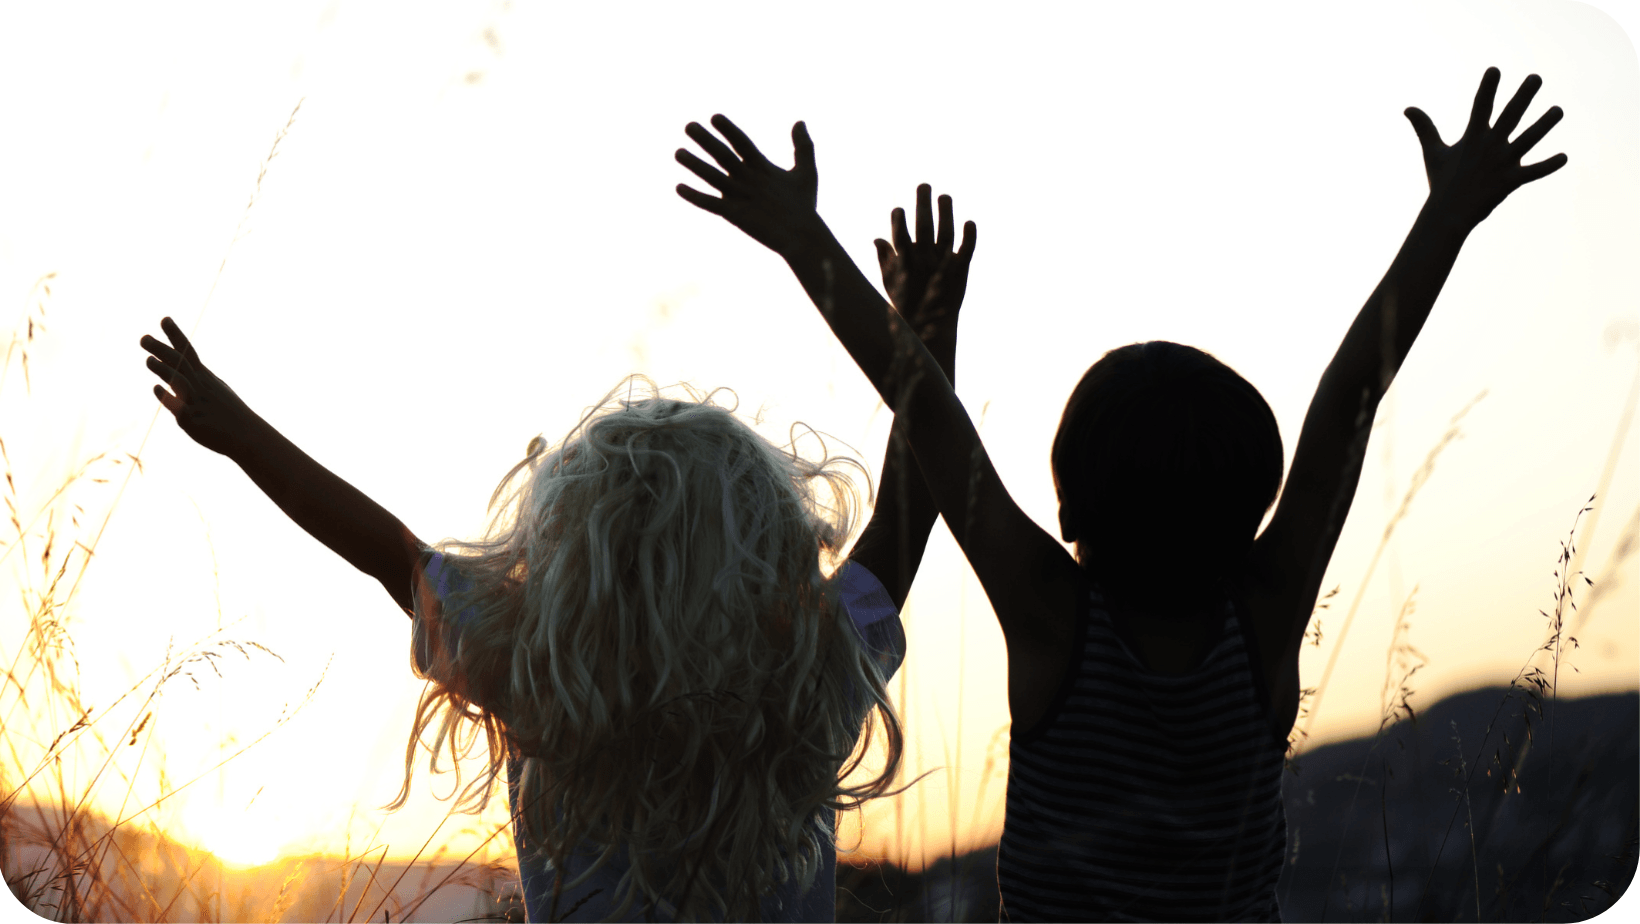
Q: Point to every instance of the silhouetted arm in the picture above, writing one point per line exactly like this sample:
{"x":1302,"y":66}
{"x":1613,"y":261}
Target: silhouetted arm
{"x":1467,"y":181}
{"x":925,"y":281}
{"x":1028,"y":576}
{"x":331,"y":510}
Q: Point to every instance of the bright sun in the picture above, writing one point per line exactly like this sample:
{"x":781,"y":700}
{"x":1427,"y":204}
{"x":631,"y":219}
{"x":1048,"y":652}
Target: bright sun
{"x":234,"y":840}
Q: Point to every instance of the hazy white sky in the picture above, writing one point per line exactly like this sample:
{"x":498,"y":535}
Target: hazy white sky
{"x":470,"y":234}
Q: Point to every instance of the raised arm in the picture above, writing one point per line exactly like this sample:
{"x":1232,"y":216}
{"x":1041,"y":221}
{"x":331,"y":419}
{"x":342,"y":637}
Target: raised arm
{"x":1028,"y":576}
{"x":331,"y":510}
{"x":1467,"y":180}
{"x":925,"y":280}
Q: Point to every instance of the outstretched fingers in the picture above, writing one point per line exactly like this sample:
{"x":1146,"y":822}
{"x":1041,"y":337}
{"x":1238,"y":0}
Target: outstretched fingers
{"x":715,"y":178}
{"x":737,"y":139}
{"x":711,"y":145}
{"x":1535,"y":132}
{"x":1511,"y":114}
{"x":171,"y":360}
{"x":179,"y":340}
{"x":925,"y":214}
{"x":172,"y":363}
{"x":970,"y":237}
{"x":947,"y":232}
{"x":1541,"y":169}
{"x":160,"y":350}
{"x":171,"y":402}
{"x":1480,"y":115}
{"x":898,"y":232}
{"x":700,"y":200}
{"x":169,"y":374}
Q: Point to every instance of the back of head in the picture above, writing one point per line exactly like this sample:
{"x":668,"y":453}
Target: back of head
{"x":678,"y":666}
{"x":1165,"y":462}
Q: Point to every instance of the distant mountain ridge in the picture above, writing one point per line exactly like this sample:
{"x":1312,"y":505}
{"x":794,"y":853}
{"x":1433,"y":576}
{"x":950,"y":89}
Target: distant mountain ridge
{"x":1562,"y":848}
{"x":1552,"y":794}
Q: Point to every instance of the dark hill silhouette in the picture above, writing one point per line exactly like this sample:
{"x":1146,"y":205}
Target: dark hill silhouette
{"x":1555,"y":810}
{"x":1562,"y":848}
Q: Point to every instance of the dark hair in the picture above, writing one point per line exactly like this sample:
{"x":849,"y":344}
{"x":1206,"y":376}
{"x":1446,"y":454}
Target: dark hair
{"x":1165,"y":462}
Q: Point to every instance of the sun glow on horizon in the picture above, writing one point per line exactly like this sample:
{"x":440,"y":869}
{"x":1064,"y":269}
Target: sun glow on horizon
{"x":235,"y":838}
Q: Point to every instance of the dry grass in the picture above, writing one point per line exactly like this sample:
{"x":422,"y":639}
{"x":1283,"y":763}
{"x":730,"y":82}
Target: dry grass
{"x":1533,"y":690}
{"x":84,"y":790}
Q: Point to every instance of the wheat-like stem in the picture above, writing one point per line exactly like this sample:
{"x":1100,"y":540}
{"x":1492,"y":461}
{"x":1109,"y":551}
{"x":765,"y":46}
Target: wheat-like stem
{"x":1419,"y":479}
{"x":1529,"y":679}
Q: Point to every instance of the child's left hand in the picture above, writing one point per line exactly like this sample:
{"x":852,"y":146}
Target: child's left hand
{"x":1473,"y":175}
{"x":775,"y":207}
{"x":925,"y":279}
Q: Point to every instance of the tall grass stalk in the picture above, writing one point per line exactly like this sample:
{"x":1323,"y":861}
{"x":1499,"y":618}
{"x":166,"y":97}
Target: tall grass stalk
{"x":1609,"y":470}
{"x":1533,"y":682}
{"x":1626,"y":539}
{"x":1393,"y":702}
{"x":1419,"y":479}
{"x":1536,"y":681}
{"x":61,"y":857}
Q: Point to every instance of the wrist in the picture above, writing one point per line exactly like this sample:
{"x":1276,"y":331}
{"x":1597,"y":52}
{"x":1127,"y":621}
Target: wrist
{"x":806,"y":238}
{"x":1440,"y":216}
{"x":255,"y":440}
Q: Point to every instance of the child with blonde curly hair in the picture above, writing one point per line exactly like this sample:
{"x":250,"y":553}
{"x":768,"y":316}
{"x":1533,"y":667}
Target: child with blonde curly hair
{"x":650,"y":637}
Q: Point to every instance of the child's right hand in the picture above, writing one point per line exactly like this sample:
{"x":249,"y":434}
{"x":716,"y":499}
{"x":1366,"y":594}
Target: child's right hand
{"x":775,"y":207}
{"x":204,"y":406}
{"x":925,"y":279}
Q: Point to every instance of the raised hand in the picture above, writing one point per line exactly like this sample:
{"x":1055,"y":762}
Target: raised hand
{"x":774,"y":206}
{"x":924,"y":278}
{"x":204,"y":406}
{"x":1468,"y":178}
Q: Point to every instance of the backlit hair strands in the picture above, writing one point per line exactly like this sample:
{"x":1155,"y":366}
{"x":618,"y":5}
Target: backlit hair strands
{"x":650,"y":619}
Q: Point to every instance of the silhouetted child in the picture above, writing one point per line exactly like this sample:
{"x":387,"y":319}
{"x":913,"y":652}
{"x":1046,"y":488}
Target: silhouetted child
{"x":646,"y":637}
{"x":1153,"y":677}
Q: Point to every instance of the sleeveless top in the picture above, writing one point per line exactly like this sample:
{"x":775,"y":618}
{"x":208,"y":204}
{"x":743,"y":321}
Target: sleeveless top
{"x":878,"y":628}
{"x":1144,"y":796}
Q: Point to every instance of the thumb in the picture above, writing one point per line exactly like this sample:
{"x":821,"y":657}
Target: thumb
{"x":970,"y":237}
{"x":885,"y":256}
{"x":803,"y":148}
{"x":1428,"y":137}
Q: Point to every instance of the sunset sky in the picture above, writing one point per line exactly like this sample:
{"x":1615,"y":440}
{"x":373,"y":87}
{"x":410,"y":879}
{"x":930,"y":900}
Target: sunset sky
{"x":469,"y":234}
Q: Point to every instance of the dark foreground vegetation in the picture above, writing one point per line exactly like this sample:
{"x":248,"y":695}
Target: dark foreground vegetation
{"x":1536,"y":821}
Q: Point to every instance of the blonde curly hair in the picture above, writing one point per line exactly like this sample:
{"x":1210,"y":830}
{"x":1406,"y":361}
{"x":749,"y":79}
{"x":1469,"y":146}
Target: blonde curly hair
{"x":651,"y":623}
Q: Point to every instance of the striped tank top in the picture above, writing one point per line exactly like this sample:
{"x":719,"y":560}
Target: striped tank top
{"x":1144,"y":796}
